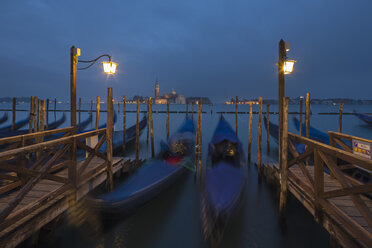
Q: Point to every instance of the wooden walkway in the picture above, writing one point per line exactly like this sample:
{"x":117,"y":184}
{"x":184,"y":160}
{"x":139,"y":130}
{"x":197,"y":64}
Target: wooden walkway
{"x":44,"y":179}
{"x":298,"y":186}
{"x":25,"y":227}
{"x":337,"y":201}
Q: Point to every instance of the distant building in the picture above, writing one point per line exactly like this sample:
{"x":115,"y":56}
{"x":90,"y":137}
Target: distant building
{"x":194,"y":100}
{"x":156,"y":89}
{"x":173,"y":97}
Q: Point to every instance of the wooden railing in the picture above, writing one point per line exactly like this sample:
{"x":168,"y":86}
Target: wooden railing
{"x":322,"y":156}
{"x":13,"y":142}
{"x":55,"y":157}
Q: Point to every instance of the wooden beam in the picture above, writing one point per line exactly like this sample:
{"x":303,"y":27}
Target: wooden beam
{"x":97,"y":112}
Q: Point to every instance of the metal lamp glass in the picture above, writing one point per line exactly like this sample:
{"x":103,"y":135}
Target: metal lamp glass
{"x":109,"y":67}
{"x":288,"y":66}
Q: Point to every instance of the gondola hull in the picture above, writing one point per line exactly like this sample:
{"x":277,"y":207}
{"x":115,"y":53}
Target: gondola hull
{"x":151,"y":178}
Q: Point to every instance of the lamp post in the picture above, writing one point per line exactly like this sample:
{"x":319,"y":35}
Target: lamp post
{"x":285,"y":66}
{"x":108,"y":68}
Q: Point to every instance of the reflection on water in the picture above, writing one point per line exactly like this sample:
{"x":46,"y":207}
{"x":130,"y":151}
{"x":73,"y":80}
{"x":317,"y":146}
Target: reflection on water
{"x":173,"y":218}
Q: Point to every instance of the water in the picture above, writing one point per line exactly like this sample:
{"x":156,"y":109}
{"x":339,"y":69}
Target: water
{"x":173,"y":218}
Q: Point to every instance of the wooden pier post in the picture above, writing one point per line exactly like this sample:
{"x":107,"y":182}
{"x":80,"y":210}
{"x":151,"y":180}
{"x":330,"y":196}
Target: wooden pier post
{"x":236,"y":115}
{"x":301,"y":117}
{"x":268,"y":127}
{"x":31,"y":121}
{"x":318,"y":185}
{"x":137,"y":134}
{"x":250,"y":132}
{"x":97,"y":112}
{"x":151,"y":129}
{"x":55,"y":109}
{"x":47,"y":115}
{"x":167,"y":119}
{"x":14,"y":112}
{"x":118,"y":107}
{"x":79,"y":113}
{"x":91,"y":106}
{"x":283,"y":169}
{"x":124,"y":125}
{"x":109,"y":138}
{"x":340,"y":117}
{"x":259,"y":159}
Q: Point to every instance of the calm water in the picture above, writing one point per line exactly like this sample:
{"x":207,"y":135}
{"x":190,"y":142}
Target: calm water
{"x":173,"y":218}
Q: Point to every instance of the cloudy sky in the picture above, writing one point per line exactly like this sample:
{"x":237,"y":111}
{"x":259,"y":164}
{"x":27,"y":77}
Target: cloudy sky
{"x":215,"y":48}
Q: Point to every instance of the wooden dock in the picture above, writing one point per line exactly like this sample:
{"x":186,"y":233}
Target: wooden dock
{"x":336,"y":200}
{"x":44,"y":179}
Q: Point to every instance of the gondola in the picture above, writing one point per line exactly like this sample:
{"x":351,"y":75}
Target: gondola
{"x":152,"y":177}
{"x":224,"y":180}
{"x":17,"y":125}
{"x":4,"y":118}
{"x":315,"y":134}
{"x":274,"y":132}
{"x":366,"y":118}
{"x":51,"y":126}
{"x":130,"y":136}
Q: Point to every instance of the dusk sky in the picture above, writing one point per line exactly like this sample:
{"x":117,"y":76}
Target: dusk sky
{"x":214,"y":48}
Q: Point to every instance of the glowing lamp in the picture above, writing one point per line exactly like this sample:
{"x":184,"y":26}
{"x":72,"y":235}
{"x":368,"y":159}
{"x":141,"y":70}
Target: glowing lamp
{"x":109,"y":67}
{"x":288,"y":66}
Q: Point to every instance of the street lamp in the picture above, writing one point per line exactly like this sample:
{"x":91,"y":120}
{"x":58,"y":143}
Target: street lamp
{"x":288,"y":66}
{"x":108,"y":67}
{"x":285,"y":66}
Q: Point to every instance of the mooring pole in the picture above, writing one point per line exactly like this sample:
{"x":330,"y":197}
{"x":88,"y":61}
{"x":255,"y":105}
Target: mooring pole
{"x":55,"y":109}
{"x":167,"y":119}
{"x":200,"y":120}
{"x":259,"y":160}
{"x":124,"y":125}
{"x":151,"y":130}
{"x":31,"y":114}
{"x":236,"y":115}
{"x":109,"y":150}
{"x":187,"y":110}
{"x":35,"y":113}
{"x":137,"y":134}
{"x":14,"y":112}
{"x":301,"y":117}
{"x":340,"y":117}
{"x":147,"y":122}
{"x":250,"y":132}
{"x":268,"y":127}
{"x":47,"y":115}
{"x":97,"y":112}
